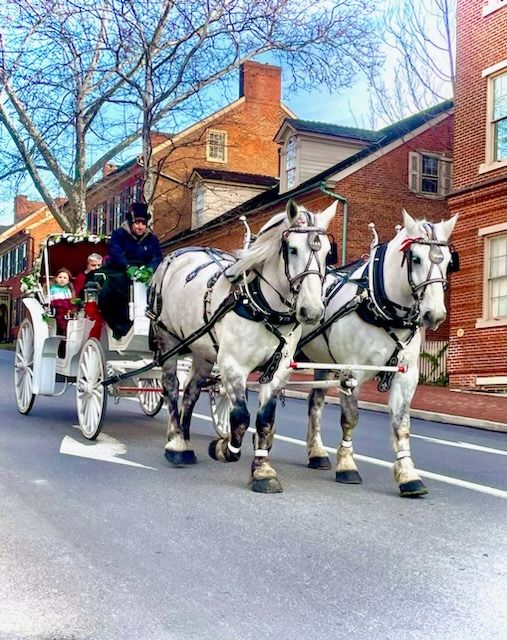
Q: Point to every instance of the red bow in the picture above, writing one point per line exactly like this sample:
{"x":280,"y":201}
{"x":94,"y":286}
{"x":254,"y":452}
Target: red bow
{"x":406,"y":244}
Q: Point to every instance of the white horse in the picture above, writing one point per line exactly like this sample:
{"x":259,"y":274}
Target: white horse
{"x":244,"y":315}
{"x":374,"y":311}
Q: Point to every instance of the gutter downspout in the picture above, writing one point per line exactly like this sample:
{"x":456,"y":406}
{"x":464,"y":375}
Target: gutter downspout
{"x":345,"y":220}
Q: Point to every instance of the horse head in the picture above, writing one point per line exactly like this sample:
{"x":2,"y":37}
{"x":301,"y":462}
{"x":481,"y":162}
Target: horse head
{"x":427,"y":253}
{"x":305,"y":246}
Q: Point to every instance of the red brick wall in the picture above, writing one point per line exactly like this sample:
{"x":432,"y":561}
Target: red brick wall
{"x":377,"y":193}
{"x":480,"y":199}
{"x":250,"y":125}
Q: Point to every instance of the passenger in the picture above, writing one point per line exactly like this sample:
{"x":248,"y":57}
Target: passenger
{"x":61,"y":294}
{"x":94,"y":261}
{"x":134,"y":254}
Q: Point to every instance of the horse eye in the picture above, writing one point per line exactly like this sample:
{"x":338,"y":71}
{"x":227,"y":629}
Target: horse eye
{"x":416,"y":260}
{"x":293,"y":251}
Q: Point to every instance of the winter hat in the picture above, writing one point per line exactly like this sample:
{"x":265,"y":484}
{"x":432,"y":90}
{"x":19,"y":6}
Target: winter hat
{"x":138,"y":211}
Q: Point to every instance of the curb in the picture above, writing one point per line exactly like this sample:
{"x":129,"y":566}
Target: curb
{"x":446,"y":418}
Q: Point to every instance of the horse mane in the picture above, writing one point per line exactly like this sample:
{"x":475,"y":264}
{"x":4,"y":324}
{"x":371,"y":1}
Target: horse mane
{"x":267,"y":242}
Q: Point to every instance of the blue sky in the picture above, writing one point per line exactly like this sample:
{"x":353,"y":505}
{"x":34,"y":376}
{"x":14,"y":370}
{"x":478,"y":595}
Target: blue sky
{"x":348,"y":108}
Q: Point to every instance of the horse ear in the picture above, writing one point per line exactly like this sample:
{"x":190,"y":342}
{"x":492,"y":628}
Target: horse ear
{"x":448,"y":226}
{"x":327,"y":215}
{"x":408,"y":222}
{"x":292,"y":211}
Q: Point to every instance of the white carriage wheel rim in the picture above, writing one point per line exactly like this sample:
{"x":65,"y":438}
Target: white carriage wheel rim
{"x":220,"y":407}
{"x":150,"y":401}
{"x":91,"y":393}
{"x":23,"y":366}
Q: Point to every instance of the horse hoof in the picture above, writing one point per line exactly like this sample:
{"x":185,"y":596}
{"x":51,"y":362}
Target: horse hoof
{"x":267,"y":485}
{"x":180,"y":458}
{"x":319,"y":462}
{"x":348,"y":477}
{"x":413,"y":489}
{"x":216,"y":453}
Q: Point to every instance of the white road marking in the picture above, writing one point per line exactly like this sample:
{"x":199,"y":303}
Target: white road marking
{"x":461,"y":445}
{"x":472,"y":486}
{"x":105,"y":449}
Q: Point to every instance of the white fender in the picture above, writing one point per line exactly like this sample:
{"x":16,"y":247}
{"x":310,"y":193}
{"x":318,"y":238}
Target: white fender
{"x":45,"y":350}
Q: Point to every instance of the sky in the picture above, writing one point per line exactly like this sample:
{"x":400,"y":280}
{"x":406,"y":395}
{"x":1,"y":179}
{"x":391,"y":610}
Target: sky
{"x":348,"y":108}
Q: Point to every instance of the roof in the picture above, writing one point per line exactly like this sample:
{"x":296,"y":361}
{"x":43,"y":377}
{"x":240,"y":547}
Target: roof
{"x":334,"y":130}
{"x":236,"y":177}
{"x":272,"y":196}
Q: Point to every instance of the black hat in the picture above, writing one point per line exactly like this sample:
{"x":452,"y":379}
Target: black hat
{"x":138,"y":211}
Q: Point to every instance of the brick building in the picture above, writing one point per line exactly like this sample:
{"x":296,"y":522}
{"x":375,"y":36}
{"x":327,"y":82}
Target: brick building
{"x":208,"y":168}
{"x":407,"y":165}
{"x":478,"y":341}
{"x":19,"y":246}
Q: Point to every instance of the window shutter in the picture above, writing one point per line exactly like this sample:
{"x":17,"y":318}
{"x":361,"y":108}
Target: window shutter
{"x":414,"y":171}
{"x":444,"y":177}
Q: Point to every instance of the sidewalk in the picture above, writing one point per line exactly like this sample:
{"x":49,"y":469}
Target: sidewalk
{"x":440,"y":404}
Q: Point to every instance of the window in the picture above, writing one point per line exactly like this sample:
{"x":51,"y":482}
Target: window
{"x":499,"y":117}
{"x":492,"y":5}
{"x":429,"y":174}
{"x":216,"y":146}
{"x":14,"y":261}
{"x":290,"y":163}
{"x":198,"y":206}
{"x":494,"y":306}
{"x":497,"y":277}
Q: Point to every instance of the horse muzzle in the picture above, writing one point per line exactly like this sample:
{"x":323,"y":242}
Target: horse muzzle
{"x":432,"y":320}
{"x":307,"y":315}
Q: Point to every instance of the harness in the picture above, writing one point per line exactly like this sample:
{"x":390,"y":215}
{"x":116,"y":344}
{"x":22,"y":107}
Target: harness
{"x":371,"y":302}
{"x":245,"y":299}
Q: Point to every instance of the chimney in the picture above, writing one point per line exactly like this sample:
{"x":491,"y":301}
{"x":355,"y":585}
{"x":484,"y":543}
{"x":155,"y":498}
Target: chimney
{"x":21,"y":208}
{"x":260,"y":82}
{"x":108,"y":168}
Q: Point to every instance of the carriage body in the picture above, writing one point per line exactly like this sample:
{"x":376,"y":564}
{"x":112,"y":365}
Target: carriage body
{"x":47,"y":362}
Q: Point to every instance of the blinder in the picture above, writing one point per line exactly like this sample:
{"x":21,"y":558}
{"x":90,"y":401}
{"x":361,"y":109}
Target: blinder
{"x":454,"y":263}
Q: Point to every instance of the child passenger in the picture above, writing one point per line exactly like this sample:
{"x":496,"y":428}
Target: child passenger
{"x":61,"y":293}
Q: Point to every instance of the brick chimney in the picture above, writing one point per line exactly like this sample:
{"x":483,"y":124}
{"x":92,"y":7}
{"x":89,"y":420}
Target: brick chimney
{"x":24,"y":207}
{"x":108,"y":168}
{"x":260,"y":82}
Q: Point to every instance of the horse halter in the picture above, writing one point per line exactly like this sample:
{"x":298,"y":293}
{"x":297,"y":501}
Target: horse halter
{"x":315,"y":244}
{"x":436,"y":257}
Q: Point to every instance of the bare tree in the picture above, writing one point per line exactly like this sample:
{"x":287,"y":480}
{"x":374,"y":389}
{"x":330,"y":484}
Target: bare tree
{"x":420,"y":63}
{"x":81,"y":82}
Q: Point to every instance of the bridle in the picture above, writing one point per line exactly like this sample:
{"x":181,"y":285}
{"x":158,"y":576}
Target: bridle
{"x":315,"y":244}
{"x":436,"y":257}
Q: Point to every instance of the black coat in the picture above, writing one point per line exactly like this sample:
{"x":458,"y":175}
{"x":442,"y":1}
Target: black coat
{"x":126,"y":249}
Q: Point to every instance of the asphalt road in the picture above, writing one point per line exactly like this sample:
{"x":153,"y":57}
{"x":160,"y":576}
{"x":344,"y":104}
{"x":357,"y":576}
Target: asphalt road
{"x":92,"y":549}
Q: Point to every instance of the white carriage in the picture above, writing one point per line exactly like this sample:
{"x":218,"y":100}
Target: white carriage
{"x":47,"y":363}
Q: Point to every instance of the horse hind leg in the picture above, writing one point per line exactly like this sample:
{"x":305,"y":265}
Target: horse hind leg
{"x":346,"y":469}
{"x":317,"y":455}
{"x":177,"y":449}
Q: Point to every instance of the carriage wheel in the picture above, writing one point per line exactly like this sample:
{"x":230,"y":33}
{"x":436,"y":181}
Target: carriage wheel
{"x":91,"y":394}
{"x":23,"y":367}
{"x":151,"y":401}
{"x":220,"y":407}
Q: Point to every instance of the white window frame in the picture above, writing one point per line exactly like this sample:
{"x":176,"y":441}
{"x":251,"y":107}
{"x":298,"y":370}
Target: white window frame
{"x":488,"y":234}
{"x":415,"y":174}
{"x":290,"y":171}
{"x":216,"y":146}
{"x":491,"y":73}
{"x":492,"y":5}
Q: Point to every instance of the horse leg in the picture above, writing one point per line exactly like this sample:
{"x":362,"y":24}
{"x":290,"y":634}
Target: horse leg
{"x":264,"y":478}
{"x":317,"y":455}
{"x":346,"y":469}
{"x":405,"y":473}
{"x":177,"y":450}
{"x":229,"y":449}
